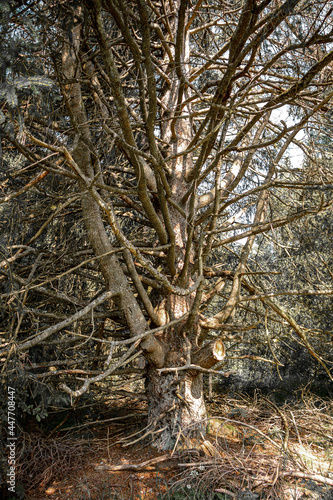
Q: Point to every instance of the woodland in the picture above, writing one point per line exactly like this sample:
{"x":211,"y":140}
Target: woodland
{"x":166,"y":231}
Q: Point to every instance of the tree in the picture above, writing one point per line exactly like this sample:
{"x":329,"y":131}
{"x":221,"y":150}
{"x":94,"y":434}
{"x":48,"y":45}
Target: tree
{"x":163,"y":125}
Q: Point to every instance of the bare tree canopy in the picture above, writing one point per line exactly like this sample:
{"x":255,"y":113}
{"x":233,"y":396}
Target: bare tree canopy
{"x":149,"y":154}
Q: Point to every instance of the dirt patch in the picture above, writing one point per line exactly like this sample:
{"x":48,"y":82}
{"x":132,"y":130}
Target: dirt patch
{"x":92,"y":480}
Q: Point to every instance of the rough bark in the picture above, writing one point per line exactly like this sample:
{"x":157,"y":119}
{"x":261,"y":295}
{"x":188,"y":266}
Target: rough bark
{"x":176,"y":407}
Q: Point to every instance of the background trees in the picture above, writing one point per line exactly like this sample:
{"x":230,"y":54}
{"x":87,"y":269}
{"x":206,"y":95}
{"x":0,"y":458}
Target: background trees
{"x":149,"y":203}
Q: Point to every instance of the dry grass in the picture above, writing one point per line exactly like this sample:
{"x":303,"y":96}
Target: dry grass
{"x":274,"y":452}
{"x":282,"y":453}
{"x":43,"y":460}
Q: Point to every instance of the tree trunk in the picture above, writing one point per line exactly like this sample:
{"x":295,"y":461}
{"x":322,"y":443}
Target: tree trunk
{"x":83,"y":155}
{"x":176,"y":406}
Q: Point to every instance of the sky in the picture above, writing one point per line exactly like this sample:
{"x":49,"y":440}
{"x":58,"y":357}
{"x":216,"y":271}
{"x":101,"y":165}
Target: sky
{"x":296,"y":155}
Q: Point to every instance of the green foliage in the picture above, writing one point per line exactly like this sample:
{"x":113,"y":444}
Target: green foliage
{"x":37,"y":411}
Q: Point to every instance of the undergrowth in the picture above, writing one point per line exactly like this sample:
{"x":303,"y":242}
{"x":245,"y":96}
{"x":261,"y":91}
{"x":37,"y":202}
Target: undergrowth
{"x":254,"y":450}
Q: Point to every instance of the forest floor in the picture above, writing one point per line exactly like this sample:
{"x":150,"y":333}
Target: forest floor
{"x":254,"y":450}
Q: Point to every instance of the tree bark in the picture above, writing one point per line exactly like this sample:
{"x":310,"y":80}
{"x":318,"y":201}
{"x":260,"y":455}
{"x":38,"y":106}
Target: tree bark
{"x":176,"y":407}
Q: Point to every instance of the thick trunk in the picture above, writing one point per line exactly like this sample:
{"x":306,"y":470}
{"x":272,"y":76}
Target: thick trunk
{"x":176,"y":407}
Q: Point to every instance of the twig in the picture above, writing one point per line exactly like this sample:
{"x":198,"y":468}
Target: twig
{"x":226,"y":492}
{"x":285,"y":423}
{"x":36,"y":339}
{"x":305,"y":475}
{"x":296,"y":428}
{"x":196,"y":368}
{"x":88,"y":424}
{"x":148,"y":464}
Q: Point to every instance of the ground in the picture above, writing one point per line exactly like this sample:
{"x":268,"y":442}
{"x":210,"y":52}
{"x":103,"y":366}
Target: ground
{"x":92,"y":481}
{"x":254,"y":450}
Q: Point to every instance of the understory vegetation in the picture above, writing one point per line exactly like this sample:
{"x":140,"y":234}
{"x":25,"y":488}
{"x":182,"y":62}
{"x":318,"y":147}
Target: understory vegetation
{"x":254,"y":449}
